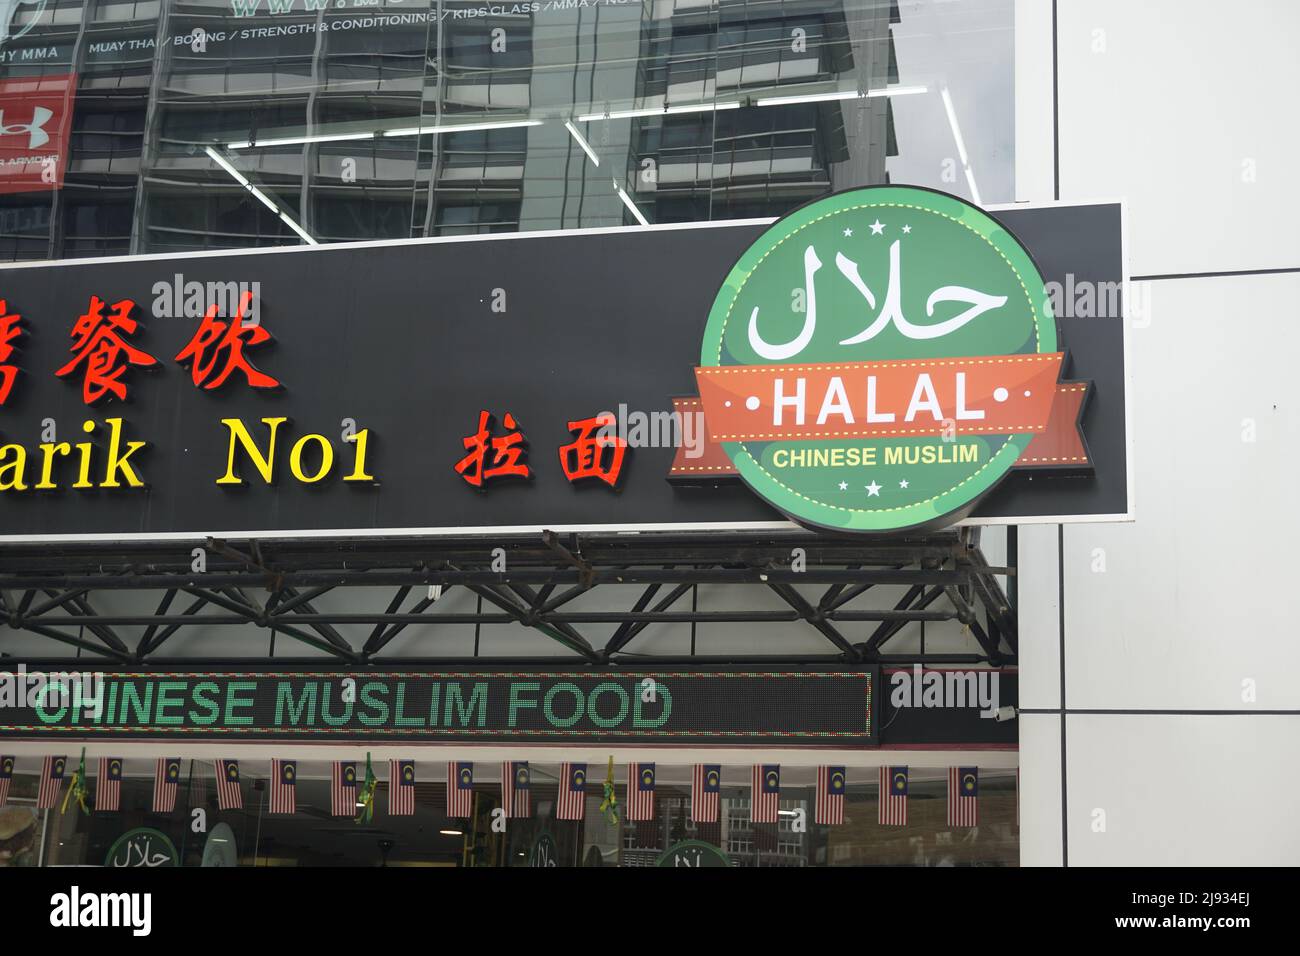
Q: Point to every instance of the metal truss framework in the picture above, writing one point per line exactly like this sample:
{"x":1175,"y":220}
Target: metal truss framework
{"x":50,"y":590}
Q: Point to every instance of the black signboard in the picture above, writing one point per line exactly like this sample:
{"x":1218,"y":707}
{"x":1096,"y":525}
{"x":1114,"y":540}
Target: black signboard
{"x":949,"y":706}
{"x":348,"y":406}
{"x":695,"y":708}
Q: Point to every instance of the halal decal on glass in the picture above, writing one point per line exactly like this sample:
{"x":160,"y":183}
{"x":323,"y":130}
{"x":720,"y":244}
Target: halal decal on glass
{"x":881,"y":358}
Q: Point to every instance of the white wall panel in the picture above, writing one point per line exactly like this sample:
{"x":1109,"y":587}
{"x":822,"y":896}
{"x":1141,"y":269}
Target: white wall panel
{"x":1176,"y":609}
{"x":1181,"y":108}
{"x":1186,"y":109}
{"x":1183,"y":791}
{"x":1034,"y":143}
{"x":1038,"y":590}
{"x":1040,"y":789}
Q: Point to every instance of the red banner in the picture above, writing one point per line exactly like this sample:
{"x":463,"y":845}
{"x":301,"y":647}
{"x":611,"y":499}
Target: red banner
{"x":977,"y":395}
{"x":982,"y":395}
{"x":35,"y":124}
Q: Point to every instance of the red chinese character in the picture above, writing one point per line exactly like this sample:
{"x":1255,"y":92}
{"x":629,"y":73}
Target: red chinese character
{"x":227,"y":341}
{"x":507,"y":453}
{"x":597,"y":452}
{"x":10,"y":330}
{"x":99,"y":343}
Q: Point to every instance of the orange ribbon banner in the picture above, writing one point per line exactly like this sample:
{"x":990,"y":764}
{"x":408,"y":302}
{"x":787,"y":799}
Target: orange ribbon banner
{"x":982,"y":395}
{"x":977,"y":395}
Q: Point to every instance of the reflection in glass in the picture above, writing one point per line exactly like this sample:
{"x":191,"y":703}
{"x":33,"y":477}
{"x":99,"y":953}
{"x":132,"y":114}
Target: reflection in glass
{"x":379,"y":119}
{"x":313,"y":837}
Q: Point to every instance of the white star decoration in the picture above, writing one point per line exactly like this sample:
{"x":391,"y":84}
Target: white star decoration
{"x":903,"y":483}
{"x":844,"y":486}
{"x":906,"y":230}
{"x":877,"y":228}
{"x":848,"y":233}
{"x":873,"y":489}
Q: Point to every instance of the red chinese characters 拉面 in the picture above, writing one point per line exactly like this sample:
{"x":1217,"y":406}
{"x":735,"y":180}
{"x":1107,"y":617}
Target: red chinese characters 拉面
{"x":596,"y":452}
{"x":491,"y":456}
{"x":101,"y":352}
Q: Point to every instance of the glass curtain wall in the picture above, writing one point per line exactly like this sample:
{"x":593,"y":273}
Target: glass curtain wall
{"x":212,"y":124}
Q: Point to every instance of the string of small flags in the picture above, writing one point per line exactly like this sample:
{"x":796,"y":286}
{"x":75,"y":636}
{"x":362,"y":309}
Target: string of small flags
{"x":352,"y":795}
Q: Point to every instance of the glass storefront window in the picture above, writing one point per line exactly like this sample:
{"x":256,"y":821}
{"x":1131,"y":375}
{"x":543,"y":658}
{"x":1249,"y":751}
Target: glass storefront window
{"x":312,"y":837}
{"x":200,"y":124}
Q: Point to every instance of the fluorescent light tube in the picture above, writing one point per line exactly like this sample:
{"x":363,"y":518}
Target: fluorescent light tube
{"x":659,"y":111}
{"x":578,"y":138}
{"x":627,"y":201}
{"x":298,"y":140}
{"x":230,"y":170}
{"x":952,"y":121}
{"x":961,"y":145}
{"x":838,"y":95}
{"x":701,"y":108}
{"x":261,"y":196}
{"x":298,"y":229}
{"x":459,"y":128}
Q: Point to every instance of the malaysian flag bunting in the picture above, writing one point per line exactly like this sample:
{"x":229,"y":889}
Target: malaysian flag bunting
{"x":51,"y":782}
{"x":6,"y":775}
{"x":706,"y":792}
{"x":640,"y":791}
{"x":343,"y":788}
{"x":401,"y":788}
{"x":572,"y":801}
{"x":828,"y":808}
{"x":108,"y":785}
{"x":284,"y":786}
{"x":963,"y":796}
{"x":166,"y":776}
{"x":229,"y":794}
{"x":893,"y":797}
{"x":460,"y":789}
{"x":765,"y":796}
{"x":514,"y":788}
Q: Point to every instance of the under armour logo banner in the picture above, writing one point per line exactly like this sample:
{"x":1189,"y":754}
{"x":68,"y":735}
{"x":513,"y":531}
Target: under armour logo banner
{"x":35,"y":123}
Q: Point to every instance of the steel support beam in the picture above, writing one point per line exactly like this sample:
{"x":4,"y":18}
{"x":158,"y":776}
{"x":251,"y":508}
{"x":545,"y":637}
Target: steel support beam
{"x":276,"y":584}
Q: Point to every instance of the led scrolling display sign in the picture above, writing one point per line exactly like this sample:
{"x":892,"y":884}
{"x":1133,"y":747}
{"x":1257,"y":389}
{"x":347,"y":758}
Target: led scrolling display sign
{"x":692,"y":707}
{"x":877,"y":360}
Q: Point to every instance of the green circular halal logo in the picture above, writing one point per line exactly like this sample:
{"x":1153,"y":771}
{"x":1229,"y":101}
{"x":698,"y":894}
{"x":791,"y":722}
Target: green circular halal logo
{"x":142,"y":847}
{"x":694,"y":853}
{"x":879,"y":359}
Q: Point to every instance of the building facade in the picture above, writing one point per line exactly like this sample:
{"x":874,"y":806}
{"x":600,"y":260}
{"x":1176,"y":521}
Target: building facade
{"x":160,"y":128}
{"x":346,"y":116}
